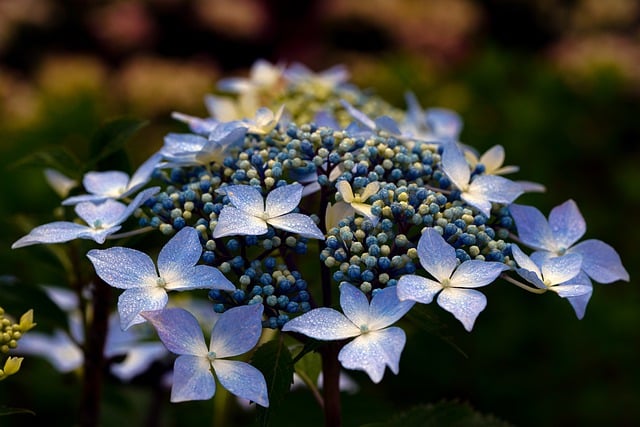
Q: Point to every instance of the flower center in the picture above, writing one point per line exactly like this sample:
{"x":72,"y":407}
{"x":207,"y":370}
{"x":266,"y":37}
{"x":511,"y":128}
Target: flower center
{"x":211,"y":356}
{"x":364,"y":329}
{"x":97,"y":224}
{"x":161,"y":282}
{"x":264,"y":216}
{"x":446,"y":283}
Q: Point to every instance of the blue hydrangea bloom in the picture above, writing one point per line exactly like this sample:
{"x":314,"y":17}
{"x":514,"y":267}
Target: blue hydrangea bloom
{"x":558,"y":236}
{"x":561,"y":275}
{"x":453,"y":282}
{"x":235,"y":332}
{"x":435,"y":125}
{"x":114,"y":184}
{"x":376,"y":344}
{"x":482,"y":190}
{"x":145,"y":287}
{"x":102,"y":219}
{"x":249,"y":213}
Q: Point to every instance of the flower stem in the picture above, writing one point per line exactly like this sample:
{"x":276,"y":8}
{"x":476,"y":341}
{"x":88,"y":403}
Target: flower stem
{"x":331,"y":384}
{"x":523,"y":286}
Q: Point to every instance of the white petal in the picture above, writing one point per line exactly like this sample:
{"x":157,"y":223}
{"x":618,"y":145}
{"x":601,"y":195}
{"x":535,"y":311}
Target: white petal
{"x":192,"y":379}
{"x":282,"y":200}
{"x":135,"y":300}
{"x":54,"y":232}
{"x":354,"y":304}
{"x":123,"y":268}
{"x":455,"y":166}
{"x":473,"y":273}
{"x":386,"y":309}
{"x":101,"y":214}
{"x":297,"y":223}
{"x":242,"y":380}
{"x":336,"y":213}
{"x":138,"y":359}
{"x":183,"y":250}
{"x":344,"y":188}
{"x":436,"y":255}
{"x":493,"y":158}
{"x":495,"y":189}
{"x":233,"y":222}
{"x":417,"y":288}
{"x":374,"y":351}
{"x":561,"y":269}
{"x":323,"y":324}
{"x":111,"y":183}
{"x":464,"y":304}
{"x":245,"y":198}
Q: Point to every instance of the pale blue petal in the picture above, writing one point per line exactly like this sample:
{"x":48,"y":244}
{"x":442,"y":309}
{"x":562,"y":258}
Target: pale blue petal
{"x":417,"y":288}
{"x":579,"y":303}
{"x":179,"y":330}
{"x":143,"y":174}
{"x":177,"y":144}
{"x":183,"y":250}
{"x":436,"y":255}
{"x":297,"y":223}
{"x":525,"y":262}
{"x":533,"y":229}
{"x":455,"y":166}
{"x":600,"y":261}
{"x":325,"y":119}
{"x":444,"y":123}
{"x":201,"y":277}
{"x":233,"y":222}
{"x":464,"y":304}
{"x":123,"y":268}
{"x":478,"y":201}
{"x":282,"y":200}
{"x":474,"y":273}
{"x":58,"y":349}
{"x":54,"y":232}
{"x":102,"y":214}
{"x":140,"y":198}
{"x":242,"y":380}
{"x":561,"y":269}
{"x":531,"y":277}
{"x":237,"y":330}
{"x":110,"y":183}
{"x":83,"y":198}
{"x":572,"y":290}
{"x":98,"y":235}
{"x":229,"y":134}
{"x":387,"y":124}
{"x":234,"y":84}
{"x":323,"y":324}
{"x":567,"y":224}
{"x":386,"y":309}
{"x":374,"y":351}
{"x":246,"y":198}
{"x":362,"y":118}
{"x":354,"y":304}
{"x":495,"y":188}
{"x":192,"y":379}
{"x":135,"y":300}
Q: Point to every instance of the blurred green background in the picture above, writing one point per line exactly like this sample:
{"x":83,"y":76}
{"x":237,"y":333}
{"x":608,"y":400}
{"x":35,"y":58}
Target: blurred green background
{"x":557,"y":83}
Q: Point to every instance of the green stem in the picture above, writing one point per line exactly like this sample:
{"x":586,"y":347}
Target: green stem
{"x":523,"y":286}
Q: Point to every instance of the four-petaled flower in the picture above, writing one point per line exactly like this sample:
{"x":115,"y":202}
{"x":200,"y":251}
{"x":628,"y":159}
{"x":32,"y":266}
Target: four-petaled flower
{"x":561,"y":275}
{"x":351,"y":203}
{"x":249,"y":213}
{"x":454,"y":282}
{"x":145,"y":287}
{"x":376,"y":344}
{"x":559,"y":235}
{"x":102,"y":219}
{"x":114,"y":184}
{"x":480,"y":191}
{"x":235,"y":332}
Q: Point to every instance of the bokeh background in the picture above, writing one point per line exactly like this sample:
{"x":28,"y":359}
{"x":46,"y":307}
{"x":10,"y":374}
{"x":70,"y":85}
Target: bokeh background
{"x":555,"y":82}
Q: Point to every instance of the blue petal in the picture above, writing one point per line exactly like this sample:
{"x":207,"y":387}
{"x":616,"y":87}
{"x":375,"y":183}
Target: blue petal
{"x":495,"y":188}
{"x":192,"y":379}
{"x":374,"y":351}
{"x":579,"y":303}
{"x":237,"y":330}
{"x":600,"y":261}
{"x":105,"y":183}
{"x":362,"y":118}
{"x":436,"y":255}
{"x":417,"y":288}
{"x":242,"y":380}
{"x":533,"y":229}
{"x":354,"y":304}
{"x":387,"y":124}
{"x":246,"y":198}
{"x":561,"y":269}
{"x":102,"y":214}
{"x":297,"y":223}
{"x":138,"y":359}
{"x":464,"y":304}
{"x":567,"y":224}
{"x":182,"y":250}
{"x":123,"y":268}
{"x":323,"y":324}
{"x":282,"y":200}
{"x":143,"y":174}
{"x":178,"y":330}
{"x":55,"y":232}
{"x":140,"y":198}
{"x":455,"y":166}
{"x":133,"y":301}
{"x":386,"y":309}
{"x":444,"y":123}
{"x":233,"y":222}
{"x":474,"y":273}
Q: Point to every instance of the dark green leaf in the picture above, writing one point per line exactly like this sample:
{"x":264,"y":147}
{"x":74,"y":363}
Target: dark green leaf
{"x":274,"y":360}
{"x":10,"y":411}
{"x":309,"y":367}
{"x":442,"y":414}
{"x":425,"y":318}
{"x":58,"y":158}
{"x":112,"y":137}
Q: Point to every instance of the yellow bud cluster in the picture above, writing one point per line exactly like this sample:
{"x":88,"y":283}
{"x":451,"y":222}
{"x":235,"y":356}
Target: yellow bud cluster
{"x":10,"y":334}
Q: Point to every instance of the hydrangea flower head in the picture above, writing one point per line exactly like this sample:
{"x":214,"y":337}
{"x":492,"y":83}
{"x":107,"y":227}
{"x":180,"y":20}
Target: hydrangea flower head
{"x":145,"y":286}
{"x":558,"y":236}
{"x":114,"y":184}
{"x":453,"y":283}
{"x":102,"y":220}
{"x":235,"y":332}
{"x":377,"y":344}
{"x":480,"y":191}
{"x":249,"y":213}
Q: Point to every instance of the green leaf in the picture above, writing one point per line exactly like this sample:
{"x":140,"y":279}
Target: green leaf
{"x":442,"y":414}
{"x":308,"y":367}
{"x":425,"y":318}
{"x":111,"y":138}
{"x":58,"y":158}
{"x":274,"y":360}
